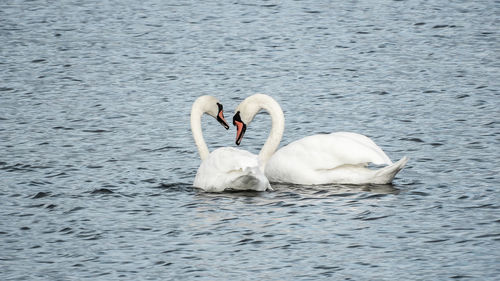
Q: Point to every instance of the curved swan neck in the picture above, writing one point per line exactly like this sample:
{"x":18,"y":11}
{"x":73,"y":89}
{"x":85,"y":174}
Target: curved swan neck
{"x":196,"y":114}
{"x":277,"y":128}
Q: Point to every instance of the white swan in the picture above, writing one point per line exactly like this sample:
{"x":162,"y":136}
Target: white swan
{"x":319,"y":159}
{"x":225,"y":168}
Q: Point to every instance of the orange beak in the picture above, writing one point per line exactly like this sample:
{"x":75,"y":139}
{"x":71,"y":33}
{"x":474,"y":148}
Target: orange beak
{"x":221,"y":119}
{"x":240,"y":131}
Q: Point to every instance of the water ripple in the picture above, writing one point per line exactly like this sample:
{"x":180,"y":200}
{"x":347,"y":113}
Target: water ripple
{"x":97,"y":160}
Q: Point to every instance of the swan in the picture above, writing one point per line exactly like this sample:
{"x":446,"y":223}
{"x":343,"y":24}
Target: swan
{"x":340,"y":157}
{"x":226,"y":168}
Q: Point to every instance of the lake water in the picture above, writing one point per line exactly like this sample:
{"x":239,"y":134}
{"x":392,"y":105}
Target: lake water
{"x":97,"y":159}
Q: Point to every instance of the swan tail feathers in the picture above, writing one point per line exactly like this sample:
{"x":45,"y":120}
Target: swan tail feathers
{"x":387,"y":174}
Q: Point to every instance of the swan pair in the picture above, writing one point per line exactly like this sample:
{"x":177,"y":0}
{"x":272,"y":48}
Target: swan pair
{"x":319,"y":159}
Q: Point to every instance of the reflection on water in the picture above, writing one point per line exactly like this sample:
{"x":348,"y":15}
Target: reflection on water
{"x":332,"y":189}
{"x":97,"y":159}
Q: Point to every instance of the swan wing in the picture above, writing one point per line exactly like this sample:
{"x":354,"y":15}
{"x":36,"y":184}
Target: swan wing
{"x":359,"y":148}
{"x":306,"y":159}
{"x":230,"y":168}
{"x":328,"y":151}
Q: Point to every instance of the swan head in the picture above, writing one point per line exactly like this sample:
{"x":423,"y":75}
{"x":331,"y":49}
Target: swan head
{"x":245,"y":112}
{"x":212,"y":106}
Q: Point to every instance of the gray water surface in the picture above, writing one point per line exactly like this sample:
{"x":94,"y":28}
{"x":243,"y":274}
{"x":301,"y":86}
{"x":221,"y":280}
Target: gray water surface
{"x":97,"y":159}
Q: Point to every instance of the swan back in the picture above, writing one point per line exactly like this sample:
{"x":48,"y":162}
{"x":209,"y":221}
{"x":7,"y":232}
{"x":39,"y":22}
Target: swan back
{"x":327,"y":151}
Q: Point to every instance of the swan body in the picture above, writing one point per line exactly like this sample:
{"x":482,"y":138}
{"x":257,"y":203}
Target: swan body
{"x":229,"y":168}
{"x":340,"y":157}
{"x":224,"y":168}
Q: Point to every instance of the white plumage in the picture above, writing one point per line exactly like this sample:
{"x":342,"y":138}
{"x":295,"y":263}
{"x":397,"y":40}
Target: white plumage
{"x":319,"y":159}
{"x":225,"y":168}
{"x":229,"y":168}
{"x":339,"y":157}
